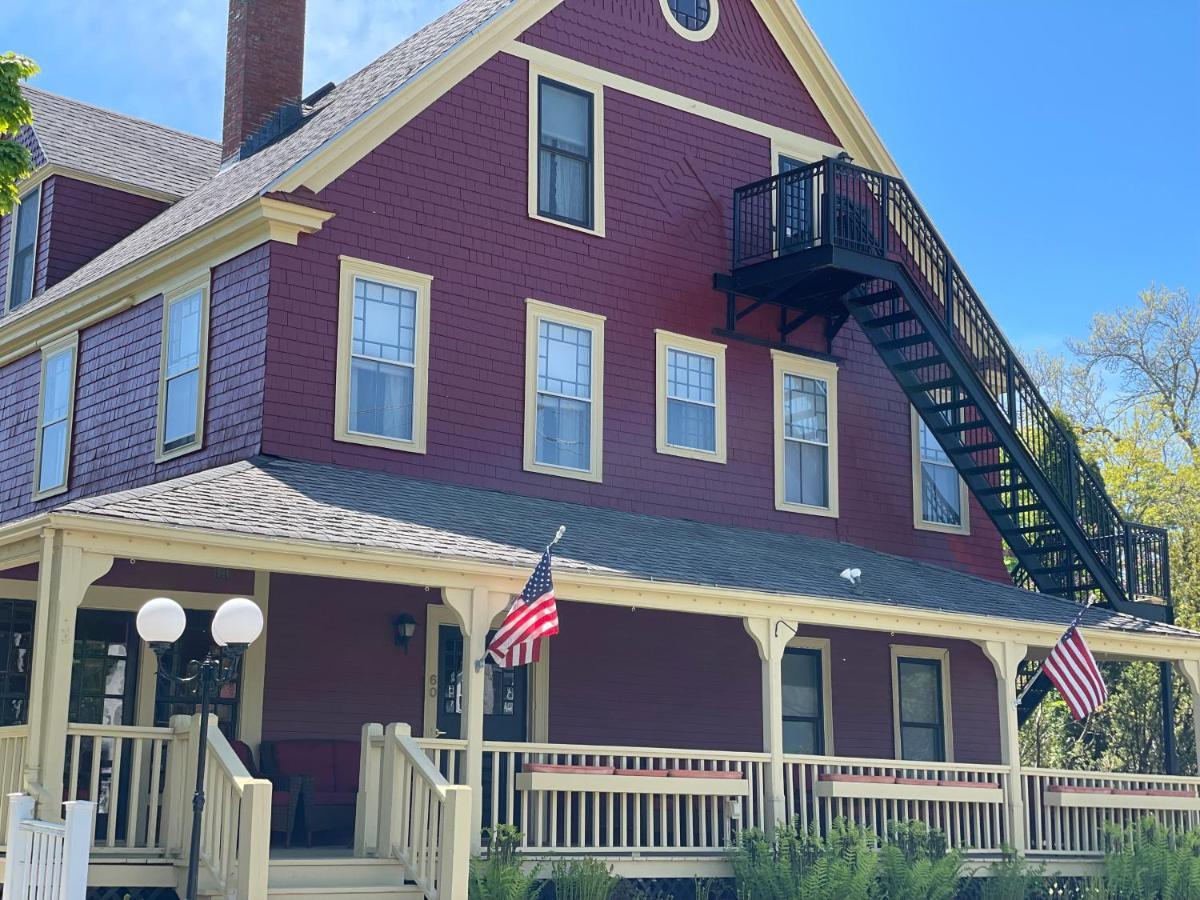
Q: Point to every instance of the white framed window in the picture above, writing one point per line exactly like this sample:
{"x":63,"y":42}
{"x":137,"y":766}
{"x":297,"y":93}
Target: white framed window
{"x":922,"y":724}
{"x":566,"y":151}
{"x":183,"y":370}
{"x":806,"y":440}
{"x":807,"y":697}
{"x":690,"y":396}
{"x":56,"y":414}
{"x":695,"y":20}
{"x":23,"y":227}
{"x":383,"y":356}
{"x":564,"y":391}
{"x":940,"y":496}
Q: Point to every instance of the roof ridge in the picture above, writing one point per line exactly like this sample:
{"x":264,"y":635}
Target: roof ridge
{"x":118,"y":114}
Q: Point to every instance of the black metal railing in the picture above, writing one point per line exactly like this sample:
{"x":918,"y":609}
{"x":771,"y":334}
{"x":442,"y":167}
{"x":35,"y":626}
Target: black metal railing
{"x":838,"y":204}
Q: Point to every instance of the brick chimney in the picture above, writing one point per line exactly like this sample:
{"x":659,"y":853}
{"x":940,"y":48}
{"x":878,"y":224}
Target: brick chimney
{"x":264,"y":65}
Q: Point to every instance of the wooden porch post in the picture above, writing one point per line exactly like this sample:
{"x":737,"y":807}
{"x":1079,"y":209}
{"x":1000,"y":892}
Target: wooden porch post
{"x":475,"y":609}
{"x":1190,"y":670}
{"x":770,"y":651}
{"x":64,"y":575}
{"x":1006,"y":657}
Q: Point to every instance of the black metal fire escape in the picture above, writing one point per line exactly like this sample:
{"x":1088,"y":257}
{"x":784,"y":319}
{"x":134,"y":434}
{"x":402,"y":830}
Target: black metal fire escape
{"x":836,"y":240}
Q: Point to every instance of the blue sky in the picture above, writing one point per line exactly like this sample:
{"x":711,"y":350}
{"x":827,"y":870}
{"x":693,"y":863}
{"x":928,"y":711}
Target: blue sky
{"x":1056,"y":143}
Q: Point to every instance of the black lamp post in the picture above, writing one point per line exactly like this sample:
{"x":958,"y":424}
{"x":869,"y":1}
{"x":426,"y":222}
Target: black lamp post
{"x":236,"y":625}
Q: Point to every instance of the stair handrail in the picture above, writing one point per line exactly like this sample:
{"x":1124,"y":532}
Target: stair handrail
{"x":424,"y":821}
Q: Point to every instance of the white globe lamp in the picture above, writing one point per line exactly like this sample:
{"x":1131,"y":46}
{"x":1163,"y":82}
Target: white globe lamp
{"x":237,"y":623}
{"x":161,"y":621}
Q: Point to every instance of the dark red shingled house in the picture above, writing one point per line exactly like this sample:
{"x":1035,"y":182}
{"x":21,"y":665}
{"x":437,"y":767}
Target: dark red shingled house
{"x":641,"y":268}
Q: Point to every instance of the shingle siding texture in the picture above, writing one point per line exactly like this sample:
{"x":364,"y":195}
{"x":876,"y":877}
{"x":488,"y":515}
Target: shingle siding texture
{"x":116,"y":394}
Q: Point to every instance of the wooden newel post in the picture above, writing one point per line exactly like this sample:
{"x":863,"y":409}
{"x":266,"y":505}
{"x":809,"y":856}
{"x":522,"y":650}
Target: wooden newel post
{"x":16,"y":868}
{"x":455,"y":846}
{"x":77,"y":847}
{"x":366,"y":806}
{"x":254,"y":839}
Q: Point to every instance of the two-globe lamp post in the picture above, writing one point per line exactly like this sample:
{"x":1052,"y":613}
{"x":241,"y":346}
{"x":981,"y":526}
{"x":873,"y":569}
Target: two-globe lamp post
{"x":235,"y":626}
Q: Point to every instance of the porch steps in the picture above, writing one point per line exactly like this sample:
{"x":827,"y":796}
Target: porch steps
{"x":338,"y":876}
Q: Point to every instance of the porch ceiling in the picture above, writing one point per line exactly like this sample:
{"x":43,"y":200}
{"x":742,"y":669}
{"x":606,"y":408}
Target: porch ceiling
{"x":334,"y":505}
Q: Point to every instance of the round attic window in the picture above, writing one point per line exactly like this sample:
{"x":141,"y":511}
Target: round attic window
{"x":695,"y":20}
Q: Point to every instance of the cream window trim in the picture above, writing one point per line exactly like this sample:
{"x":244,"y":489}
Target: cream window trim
{"x":906,"y":651}
{"x":71,"y":343}
{"x":964,"y":493}
{"x":822,"y":646}
{"x":701,"y":34}
{"x":784,"y":364}
{"x":797,"y":150}
{"x":665,"y":341}
{"x":39,"y":186}
{"x":537,"y":311}
{"x":420,"y":284}
{"x":538,"y":686}
{"x":182,"y":292}
{"x":570,"y":79}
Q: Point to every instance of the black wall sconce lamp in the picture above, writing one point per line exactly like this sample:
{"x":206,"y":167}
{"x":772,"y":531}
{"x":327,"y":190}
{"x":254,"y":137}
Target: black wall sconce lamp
{"x":404,"y":627}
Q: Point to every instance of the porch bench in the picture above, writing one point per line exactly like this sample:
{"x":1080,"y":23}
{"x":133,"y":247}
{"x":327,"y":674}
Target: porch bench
{"x":329,"y":772}
{"x":285,"y":793}
{"x":1081,"y":796}
{"x":611,"y":780}
{"x":891,"y":787}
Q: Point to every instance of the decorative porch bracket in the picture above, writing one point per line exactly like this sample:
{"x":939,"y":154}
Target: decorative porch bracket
{"x":771,"y":644}
{"x":1006,"y":657}
{"x":64,"y":575}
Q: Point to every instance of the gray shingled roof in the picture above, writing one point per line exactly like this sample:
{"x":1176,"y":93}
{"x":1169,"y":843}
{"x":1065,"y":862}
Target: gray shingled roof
{"x":276,"y":498}
{"x":133,"y":151}
{"x":255,"y":176}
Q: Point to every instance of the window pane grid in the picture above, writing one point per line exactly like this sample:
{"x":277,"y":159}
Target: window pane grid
{"x":691,"y":401}
{"x":564,"y":394}
{"x":383,"y":360}
{"x":806,"y":440}
{"x":691,"y":14}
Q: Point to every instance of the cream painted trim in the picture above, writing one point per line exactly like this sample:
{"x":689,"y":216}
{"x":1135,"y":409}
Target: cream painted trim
{"x":535,"y":312}
{"x":656,"y":785}
{"x":667,"y":340}
{"x":822,"y":646}
{"x":700,"y":34}
{"x":6,"y":300}
{"x":70,"y":342}
{"x":201,"y":546}
{"x":421,"y":285}
{"x":596,"y":90}
{"x":933,"y":792}
{"x":793,"y":149}
{"x":940,"y":654}
{"x":51,"y":169}
{"x":554,"y":62}
{"x":918,"y":482}
{"x":790,"y":364}
{"x":181,"y":293}
{"x":538,"y":724}
{"x":243,"y":228}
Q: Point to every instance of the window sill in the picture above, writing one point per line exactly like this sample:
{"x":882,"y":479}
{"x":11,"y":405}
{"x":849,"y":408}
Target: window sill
{"x":417,"y":445}
{"x":168,"y":455}
{"x":563,"y":472}
{"x":961,"y":530}
{"x":595,"y":231}
{"x":714,"y":456}
{"x":49,"y":492}
{"x":829,"y":512}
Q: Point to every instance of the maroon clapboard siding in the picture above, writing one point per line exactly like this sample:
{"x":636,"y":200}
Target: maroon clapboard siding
{"x":116,"y":395}
{"x":421,"y":201}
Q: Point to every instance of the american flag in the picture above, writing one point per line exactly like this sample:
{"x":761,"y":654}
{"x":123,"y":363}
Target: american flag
{"x":532,"y":616}
{"x":1073,"y":670}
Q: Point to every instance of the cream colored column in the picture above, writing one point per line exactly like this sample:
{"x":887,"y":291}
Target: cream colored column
{"x":475,"y":609}
{"x":254,"y":669}
{"x":1006,"y":657}
{"x":64,"y":575}
{"x":770,"y":651}
{"x":1190,"y":670}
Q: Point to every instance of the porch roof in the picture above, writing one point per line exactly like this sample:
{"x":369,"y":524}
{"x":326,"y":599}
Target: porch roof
{"x":284,"y":499}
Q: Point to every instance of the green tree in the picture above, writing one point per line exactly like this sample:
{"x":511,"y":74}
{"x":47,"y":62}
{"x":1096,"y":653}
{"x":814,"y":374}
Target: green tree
{"x":15,"y":162}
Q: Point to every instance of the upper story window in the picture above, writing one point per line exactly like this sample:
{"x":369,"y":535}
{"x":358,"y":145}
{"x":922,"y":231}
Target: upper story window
{"x":695,"y":20}
{"x":566,"y":144}
{"x":182,"y":371}
{"x":806,"y":702}
{"x":383,"y":356}
{"x":564,"y":391}
{"x":690,"y":396}
{"x":806,"y":455}
{"x":921,"y":703}
{"x":23,"y":234}
{"x":940,"y":497}
{"x":56,"y":408}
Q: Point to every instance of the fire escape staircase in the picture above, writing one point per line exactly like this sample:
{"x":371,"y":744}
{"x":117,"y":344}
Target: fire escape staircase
{"x":839,"y":241}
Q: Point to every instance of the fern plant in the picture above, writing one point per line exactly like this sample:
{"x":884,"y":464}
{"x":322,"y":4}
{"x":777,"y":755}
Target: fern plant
{"x":1147,"y":860}
{"x":915,"y":865}
{"x":1012,"y":878}
{"x":500,"y":875}
{"x":799,"y":865}
{"x":583,"y":879}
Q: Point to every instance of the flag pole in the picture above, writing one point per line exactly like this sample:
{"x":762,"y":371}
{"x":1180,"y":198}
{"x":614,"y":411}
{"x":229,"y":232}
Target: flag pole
{"x":562,"y":529}
{"x":1074,"y":624}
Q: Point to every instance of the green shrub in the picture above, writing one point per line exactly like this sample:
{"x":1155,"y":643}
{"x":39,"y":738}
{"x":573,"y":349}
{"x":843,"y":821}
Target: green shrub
{"x":796,"y":865}
{"x":1149,"y":862}
{"x":500,"y":875}
{"x":915,"y":865}
{"x":1012,"y":878}
{"x":583,"y":879}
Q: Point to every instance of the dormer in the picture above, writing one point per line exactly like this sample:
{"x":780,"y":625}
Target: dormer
{"x":97,"y":177}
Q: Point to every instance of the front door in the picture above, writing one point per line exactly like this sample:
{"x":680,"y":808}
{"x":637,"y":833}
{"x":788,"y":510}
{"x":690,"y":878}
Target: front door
{"x":505,"y":693}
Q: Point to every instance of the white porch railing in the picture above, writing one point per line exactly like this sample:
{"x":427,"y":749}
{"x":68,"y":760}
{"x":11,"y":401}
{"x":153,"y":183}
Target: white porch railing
{"x":1068,"y":812}
{"x":966,"y":802}
{"x":47,"y":860}
{"x":13,"y":739}
{"x":409,"y":811}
